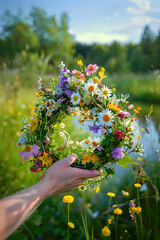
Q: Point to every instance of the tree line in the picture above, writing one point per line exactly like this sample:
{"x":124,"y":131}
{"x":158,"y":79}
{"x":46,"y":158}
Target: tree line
{"x":26,"y":40}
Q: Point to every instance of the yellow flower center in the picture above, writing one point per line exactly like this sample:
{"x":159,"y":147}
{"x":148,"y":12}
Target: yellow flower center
{"x":75,"y":98}
{"x":90,"y":68}
{"x":94,"y":143}
{"x":106,"y":118}
{"x":91,"y":88}
{"x":86,"y":141}
{"x":28,"y":148}
{"x":105,"y":92}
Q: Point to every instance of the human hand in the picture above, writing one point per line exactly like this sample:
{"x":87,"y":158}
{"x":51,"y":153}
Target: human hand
{"x":60,"y":177}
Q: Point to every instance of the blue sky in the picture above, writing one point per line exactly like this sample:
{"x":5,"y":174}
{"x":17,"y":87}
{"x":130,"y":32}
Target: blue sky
{"x":101,"y":21}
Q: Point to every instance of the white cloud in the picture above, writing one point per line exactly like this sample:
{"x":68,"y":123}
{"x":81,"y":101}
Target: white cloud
{"x":71,"y":31}
{"x":142,"y":6}
{"x":99,"y":37}
{"x":116,"y":14}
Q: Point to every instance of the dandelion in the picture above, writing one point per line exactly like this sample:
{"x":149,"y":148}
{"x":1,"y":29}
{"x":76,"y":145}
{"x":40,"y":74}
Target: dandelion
{"x":109,"y":221}
{"x":106,"y":232}
{"x":68,"y":199}
{"x":137,"y":185}
{"x":139,"y":159}
{"x":111,"y":194}
{"x":117,"y":211}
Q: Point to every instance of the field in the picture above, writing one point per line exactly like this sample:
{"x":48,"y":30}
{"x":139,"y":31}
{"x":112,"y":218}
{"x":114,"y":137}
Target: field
{"x":17,"y":97}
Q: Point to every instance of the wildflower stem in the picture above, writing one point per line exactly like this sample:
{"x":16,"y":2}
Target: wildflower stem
{"x":136,"y":228}
{"x":109,"y":202}
{"x":140,"y":214}
{"x":68,"y":221}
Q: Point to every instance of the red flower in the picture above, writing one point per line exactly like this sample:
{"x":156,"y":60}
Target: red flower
{"x":119,"y":134}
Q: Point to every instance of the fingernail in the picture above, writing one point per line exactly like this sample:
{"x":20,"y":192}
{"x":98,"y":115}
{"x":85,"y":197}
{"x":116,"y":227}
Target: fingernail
{"x":96,"y":172}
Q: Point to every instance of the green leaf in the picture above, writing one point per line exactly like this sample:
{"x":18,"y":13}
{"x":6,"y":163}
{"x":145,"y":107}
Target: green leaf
{"x":123,"y":162}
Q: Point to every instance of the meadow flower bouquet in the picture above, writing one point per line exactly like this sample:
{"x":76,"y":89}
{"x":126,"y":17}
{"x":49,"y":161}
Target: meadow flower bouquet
{"x":80,"y":93}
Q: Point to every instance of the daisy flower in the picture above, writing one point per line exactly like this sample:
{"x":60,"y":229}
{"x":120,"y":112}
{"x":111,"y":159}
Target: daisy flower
{"x":61,"y":134}
{"x":86,"y":143}
{"x":62,"y":125}
{"x":105,"y":117}
{"x":90,"y":87}
{"x":29,"y":151}
{"x":95,"y":111}
{"x":75,"y":98}
{"x":58,"y":91}
{"x":95,"y":141}
{"x":48,"y":113}
{"x":91,"y":69}
{"x":105,"y":92}
{"x":40,"y":108}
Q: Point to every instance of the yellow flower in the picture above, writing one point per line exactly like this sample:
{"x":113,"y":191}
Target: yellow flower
{"x":71,"y":225}
{"x":114,"y":89}
{"x":135,"y":110}
{"x":68,"y":199}
{"x":139,"y":159}
{"x":137,"y":185}
{"x":89,"y":205}
{"x":117,"y":211}
{"x":142,"y":129}
{"x":46,"y":160}
{"x":139,"y":136}
{"x":101,"y":74}
{"x":34,"y":124}
{"x":136,"y":209}
{"x":80,"y":63}
{"x":96,"y":189}
{"x":109,"y":221}
{"x":36,"y":93}
{"x":111,"y":194}
{"x":94,"y":158}
{"x":125,"y":231}
{"x":106,"y":232}
{"x":86,"y":158}
{"x":139,"y":108}
{"x":108,"y":155}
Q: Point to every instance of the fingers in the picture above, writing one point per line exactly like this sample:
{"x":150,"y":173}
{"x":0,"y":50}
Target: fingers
{"x":88,"y":173}
{"x":69,"y":160}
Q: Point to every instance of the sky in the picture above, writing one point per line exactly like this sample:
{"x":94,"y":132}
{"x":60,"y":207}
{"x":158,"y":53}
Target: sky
{"x":100,"y":21}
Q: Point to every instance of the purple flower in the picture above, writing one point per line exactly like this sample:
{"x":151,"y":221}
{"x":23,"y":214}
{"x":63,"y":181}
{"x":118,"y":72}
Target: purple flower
{"x":30,"y":151}
{"x":68,"y":92}
{"x":94,"y":128}
{"x":117,"y":153}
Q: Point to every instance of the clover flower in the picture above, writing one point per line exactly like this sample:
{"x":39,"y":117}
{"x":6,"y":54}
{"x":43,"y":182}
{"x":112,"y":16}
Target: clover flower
{"x":119,"y":134}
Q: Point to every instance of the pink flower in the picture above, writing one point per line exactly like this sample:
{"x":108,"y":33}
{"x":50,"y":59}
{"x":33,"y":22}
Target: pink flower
{"x":91,"y":69}
{"x":119,"y":134}
{"x":130,"y":106}
{"x":29,"y":151}
{"x":47,"y":140}
{"x":123,"y":114}
{"x":77,"y":74}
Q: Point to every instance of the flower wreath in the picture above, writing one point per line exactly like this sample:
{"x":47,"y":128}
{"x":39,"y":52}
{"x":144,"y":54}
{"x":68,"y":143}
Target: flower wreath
{"x":80,"y":93}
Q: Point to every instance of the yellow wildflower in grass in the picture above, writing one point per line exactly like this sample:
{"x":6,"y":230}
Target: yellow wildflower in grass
{"x":101,"y":73}
{"x":117,"y":211}
{"x":111,"y":194}
{"x":36,"y":93}
{"x":125,"y":231}
{"x":96,"y":189}
{"x":142,"y":129}
{"x":114,"y":89}
{"x":71,"y":225}
{"x":34,"y":124}
{"x":139,"y":158}
{"x":89,"y":205}
{"x":138,"y":136}
{"x":139,"y":108}
{"x":80,"y":63}
{"x":106,"y":232}
{"x":137,"y":185}
{"x":109,"y":221}
{"x":136,"y":209}
{"x":68,"y":199}
{"x":86,"y":158}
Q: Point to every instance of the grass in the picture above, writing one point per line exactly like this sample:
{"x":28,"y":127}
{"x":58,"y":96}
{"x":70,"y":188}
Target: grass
{"x":16,"y":100}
